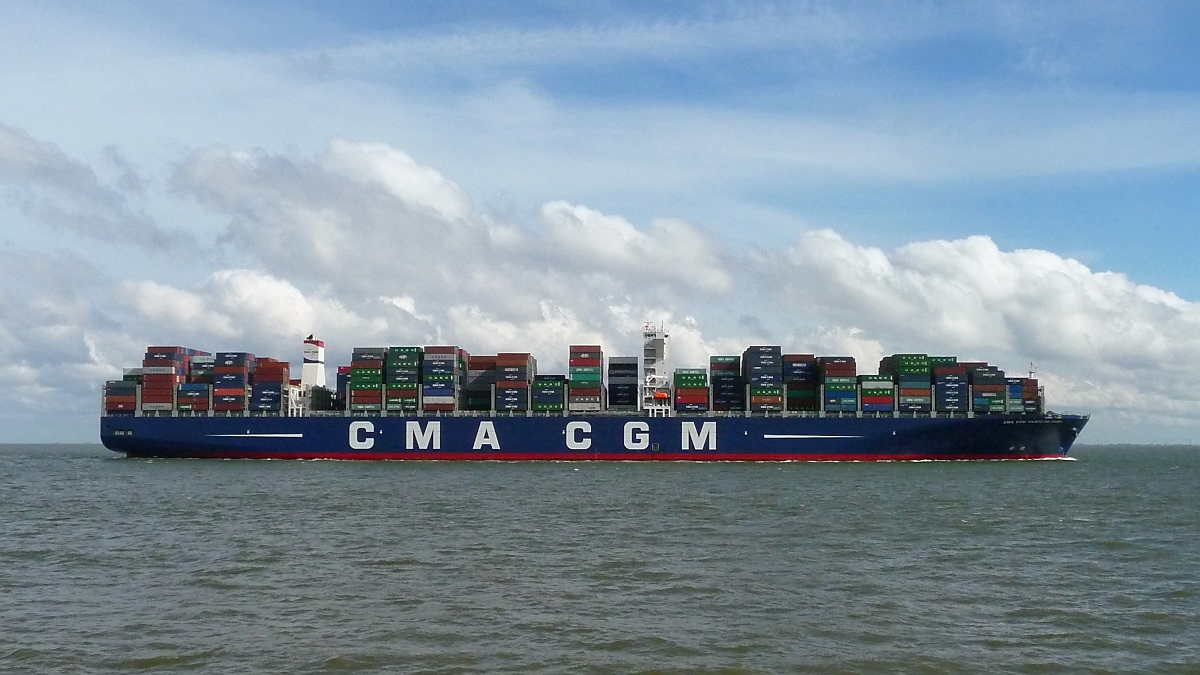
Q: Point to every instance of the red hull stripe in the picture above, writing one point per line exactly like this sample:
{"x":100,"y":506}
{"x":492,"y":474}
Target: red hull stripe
{"x":618,"y":457}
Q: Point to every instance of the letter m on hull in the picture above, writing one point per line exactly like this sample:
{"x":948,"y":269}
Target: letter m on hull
{"x":429,"y":438}
{"x":704,"y":438}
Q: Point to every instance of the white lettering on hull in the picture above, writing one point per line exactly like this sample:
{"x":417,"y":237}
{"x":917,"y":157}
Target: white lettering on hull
{"x":357,"y":440}
{"x":574,"y":440}
{"x":704,"y":438}
{"x":637,"y":435}
{"x":486,"y":435}
{"x":429,"y":438}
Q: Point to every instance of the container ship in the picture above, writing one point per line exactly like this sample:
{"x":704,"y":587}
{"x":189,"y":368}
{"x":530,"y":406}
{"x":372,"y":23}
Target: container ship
{"x":442,"y":403}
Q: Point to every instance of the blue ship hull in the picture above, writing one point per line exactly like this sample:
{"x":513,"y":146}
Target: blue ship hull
{"x":595,"y":438}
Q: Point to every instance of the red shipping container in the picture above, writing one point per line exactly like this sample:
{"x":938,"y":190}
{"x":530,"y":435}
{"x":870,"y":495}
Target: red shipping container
{"x":949,"y":370}
{"x":229,"y":406}
{"x":513,"y":359}
{"x":441,"y":349}
{"x":916,"y":392}
{"x":766,"y":399}
{"x":171,"y":349}
{"x":799,"y":357}
{"x":229,"y":391}
{"x":879,"y":400}
{"x":437,"y":406}
{"x":234,"y":370}
{"x":692,"y":391}
{"x":373,"y":365}
{"x":482,"y":362}
{"x":584,"y":362}
{"x":986,"y":388}
{"x":161,"y":363}
{"x":584,"y":391}
{"x":512,"y":384}
{"x":119,"y":406}
{"x":691,"y":399}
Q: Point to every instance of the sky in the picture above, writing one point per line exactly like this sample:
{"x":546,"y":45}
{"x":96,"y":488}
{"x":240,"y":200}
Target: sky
{"x":1006,"y":181}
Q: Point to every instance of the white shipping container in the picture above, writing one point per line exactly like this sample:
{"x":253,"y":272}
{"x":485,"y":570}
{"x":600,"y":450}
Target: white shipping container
{"x":583,"y":407}
{"x":157,"y":406}
{"x":158,"y":370}
{"x":441,"y":357}
{"x":438,"y":399}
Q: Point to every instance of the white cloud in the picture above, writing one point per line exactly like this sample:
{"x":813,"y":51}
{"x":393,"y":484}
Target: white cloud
{"x":1105,"y":342}
{"x":57,"y":190}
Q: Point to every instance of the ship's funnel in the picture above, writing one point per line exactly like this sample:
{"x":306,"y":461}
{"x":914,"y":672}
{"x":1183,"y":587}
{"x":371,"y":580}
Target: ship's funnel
{"x":313,"y":374}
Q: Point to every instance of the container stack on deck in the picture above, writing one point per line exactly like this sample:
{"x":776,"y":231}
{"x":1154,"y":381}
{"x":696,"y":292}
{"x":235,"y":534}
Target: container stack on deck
{"x":440,"y":374}
{"x":623,"y":383}
{"x":801,"y":382}
{"x":270,"y":387}
{"x":914,"y":381}
{"x":196,"y":395}
{"x":231,"y":381}
{"x":950,"y":387}
{"x":878,"y":393}
{"x":1031,"y":396}
{"x":839,"y":377}
{"x":988,"y":388}
{"x":366,"y":378}
{"x":691,"y":389}
{"x":728,"y":385}
{"x":341,"y":396}
{"x":402,"y":379}
{"x":163,"y":370}
{"x":549,"y":393}
{"x":762,"y":368}
{"x":1014,"y":387}
{"x":514,"y":373}
{"x":477,"y":383}
{"x":120,"y":397}
{"x":585,"y":388}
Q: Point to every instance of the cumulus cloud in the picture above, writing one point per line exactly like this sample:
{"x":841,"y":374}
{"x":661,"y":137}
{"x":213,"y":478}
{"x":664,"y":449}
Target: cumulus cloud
{"x":1101,"y":341}
{"x":57,"y":190}
{"x":369,"y":220}
{"x":363,"y":246}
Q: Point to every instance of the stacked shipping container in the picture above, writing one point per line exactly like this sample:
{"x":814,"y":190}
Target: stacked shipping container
{"x":549,"y":393}
{"x":728,"y":385}
{"x":478,"y":384}
{"x":691,"y":389}
{"x":839,"y":378}
{"x":801,"y":381}
{"x":914,"y":381}
{"x":440,"y":374}
{"x":762,"y":368}
{"x":366,"y":378}
{"x":623,"y":383}
{"x":514,"y":374}
{"x":402,"y":379}
{"x":585,"y":387}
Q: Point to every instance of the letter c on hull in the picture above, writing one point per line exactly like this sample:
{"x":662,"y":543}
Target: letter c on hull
{"x":357,"y":429}
{"x":574,"y":442}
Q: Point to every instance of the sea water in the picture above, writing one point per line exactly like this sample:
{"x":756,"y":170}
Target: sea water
{"x":110,"y":565}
